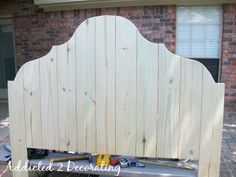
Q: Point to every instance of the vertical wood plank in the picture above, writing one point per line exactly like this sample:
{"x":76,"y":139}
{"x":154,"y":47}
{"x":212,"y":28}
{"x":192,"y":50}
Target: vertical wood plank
{"x":108,"y":90}
{"x":85,"y":72}
{"x":32,"y":104}
{"x":190,"y":109}
{"x":49,"y":100}
{"x":147,"y":97}
{"x":67,"y":95}
{"x":105,"y":84}
{"x":125,"y":87}
{"x":169,"y":93}
{"x":211,"y":127}
{"x":17,"y":123}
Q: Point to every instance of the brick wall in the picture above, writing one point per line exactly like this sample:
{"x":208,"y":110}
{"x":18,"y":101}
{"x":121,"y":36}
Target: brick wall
{"x":228,"y":73}
{"x":36,"y":31}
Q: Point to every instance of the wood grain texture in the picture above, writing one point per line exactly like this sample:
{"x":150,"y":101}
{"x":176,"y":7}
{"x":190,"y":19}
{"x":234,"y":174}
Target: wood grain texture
{"x":49,"y":100}
{"x":85,"y":77}
{"x":105,"y":84}
{"x":211,"y":127}
{"x":168,"y":105}
{"x":126,"y":87}
{"x":109,"y":90}
{"x":147,"y":97}
{"x":32,"y":104}
{"x":66,"y":89}
{"x":17,"y":123}
{"x":190,"y":108}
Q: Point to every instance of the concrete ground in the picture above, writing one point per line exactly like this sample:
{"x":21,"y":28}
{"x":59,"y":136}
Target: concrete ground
{"x":4,"y":123}
{"x":4,"y":134}
{"x":228,"y":156}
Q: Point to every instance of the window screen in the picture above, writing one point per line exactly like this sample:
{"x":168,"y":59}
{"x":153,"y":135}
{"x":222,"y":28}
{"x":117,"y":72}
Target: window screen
{"x":198,"y":31}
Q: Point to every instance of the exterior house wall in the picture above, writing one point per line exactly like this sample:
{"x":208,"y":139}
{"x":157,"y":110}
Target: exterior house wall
{"x":228,"y":69}
{"x":36,"y":31}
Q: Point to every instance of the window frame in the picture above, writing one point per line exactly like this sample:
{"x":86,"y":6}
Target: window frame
{"x":8,"y":20}
{"x":220,"y":40}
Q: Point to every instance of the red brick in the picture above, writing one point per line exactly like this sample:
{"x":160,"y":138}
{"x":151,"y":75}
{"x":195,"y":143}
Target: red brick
{"x":36,"y":31}
{"x":229,"y":56}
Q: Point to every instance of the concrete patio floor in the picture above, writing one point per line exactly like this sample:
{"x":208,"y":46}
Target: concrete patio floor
{"x":4,"y":123}
{"x":228,"y":156}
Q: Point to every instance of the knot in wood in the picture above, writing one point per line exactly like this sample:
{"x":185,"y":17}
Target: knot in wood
{"x":64,"y":89}
{"x":191,"y":152}
{"x":68,"y":143}
{"x":144,"y":140}
{"x":171,"y":81}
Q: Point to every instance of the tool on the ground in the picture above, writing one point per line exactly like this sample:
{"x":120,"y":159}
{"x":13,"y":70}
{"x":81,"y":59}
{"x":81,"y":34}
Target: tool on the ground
{"x":137,"y":164}
{"x":129,"y":163}
{"x":125,"y":163}
{"x":8,"y":158}
{"x":36,"y":153}
{"x":31,"y":152}
{"x":7,"y":147}
{"x":115,"y":162}
{"x":182,"y":165}
{"x":103,"y":160}
{"x":74,"y":158}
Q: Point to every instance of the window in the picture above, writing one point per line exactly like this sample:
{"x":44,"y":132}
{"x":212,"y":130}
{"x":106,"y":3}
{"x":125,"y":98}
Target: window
{"x":198,"y":35}
{"x":7,"y":57}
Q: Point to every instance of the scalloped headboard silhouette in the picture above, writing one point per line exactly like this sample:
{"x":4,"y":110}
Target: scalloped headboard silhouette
{"x":109,"y":90}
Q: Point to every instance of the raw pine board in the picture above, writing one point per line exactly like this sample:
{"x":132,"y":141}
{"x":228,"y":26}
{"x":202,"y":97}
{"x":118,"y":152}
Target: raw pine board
{"x":86,"y":90}
{"x":105,"y":85}
{"x":126,"y":87}
{"x":147,"y":97}
{"x":49,"y":100}
{"x":18,"y":129}
{"x":109,"y":90}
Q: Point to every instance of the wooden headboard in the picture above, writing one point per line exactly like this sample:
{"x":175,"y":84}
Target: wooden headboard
{"x":109,"y":90}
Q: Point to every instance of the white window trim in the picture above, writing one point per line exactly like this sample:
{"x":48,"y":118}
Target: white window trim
{"x":220,"y":41}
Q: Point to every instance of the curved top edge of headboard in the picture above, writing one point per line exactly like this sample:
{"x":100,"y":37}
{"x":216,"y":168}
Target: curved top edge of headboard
{"x":109,"y":77}
{"x":126,"y":22}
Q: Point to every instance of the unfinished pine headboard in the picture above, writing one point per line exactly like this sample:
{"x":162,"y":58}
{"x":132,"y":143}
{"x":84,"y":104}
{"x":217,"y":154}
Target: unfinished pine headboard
{"x":109,"y":90}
